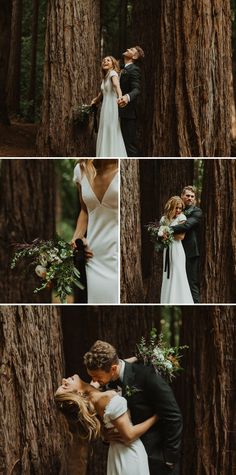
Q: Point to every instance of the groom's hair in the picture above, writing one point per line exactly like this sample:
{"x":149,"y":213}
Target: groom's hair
{"x":102,"y":356}
{"x":140,"y":53}
{"x":191,"y":188}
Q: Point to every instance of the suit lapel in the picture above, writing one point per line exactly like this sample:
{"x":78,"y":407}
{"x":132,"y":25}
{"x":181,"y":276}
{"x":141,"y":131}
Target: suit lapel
{"x":129,"y":377}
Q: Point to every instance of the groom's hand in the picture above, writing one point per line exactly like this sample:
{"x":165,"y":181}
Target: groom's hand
{"x":123,"y":101}
{"x":111,"y":435}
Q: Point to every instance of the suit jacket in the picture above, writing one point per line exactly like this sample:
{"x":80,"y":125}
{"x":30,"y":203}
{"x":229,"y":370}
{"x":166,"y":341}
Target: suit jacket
{"x":130,"y":83}
{"x":191,"y":228}
{"x":153,"y":395}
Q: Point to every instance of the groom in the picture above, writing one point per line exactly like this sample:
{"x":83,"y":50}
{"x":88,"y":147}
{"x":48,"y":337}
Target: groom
{"x":147,"y":393}
{"x":190,"y":242}
{"x":130,"y":83}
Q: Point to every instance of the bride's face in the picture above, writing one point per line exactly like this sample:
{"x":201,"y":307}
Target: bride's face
{"x":178,"y":210}
{"x":107,"y":63}
{"x":71,"y":384}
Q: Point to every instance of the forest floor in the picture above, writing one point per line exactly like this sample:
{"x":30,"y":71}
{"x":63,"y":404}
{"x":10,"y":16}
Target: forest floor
{"x":18,"y":139}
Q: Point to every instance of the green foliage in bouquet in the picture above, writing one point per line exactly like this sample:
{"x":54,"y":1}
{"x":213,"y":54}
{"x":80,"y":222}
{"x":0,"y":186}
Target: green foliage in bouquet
{"x":161,"y":235}
{"x":54,"y":263}
{"x":81,"y":115}
{"x":155,"y":352}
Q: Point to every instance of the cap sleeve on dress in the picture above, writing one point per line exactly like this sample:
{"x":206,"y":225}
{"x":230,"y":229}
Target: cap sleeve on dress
{"x":116,"y":407}
{"x":113,"y":73}
{"x":77,"y":174}
{"x":181,"y":217}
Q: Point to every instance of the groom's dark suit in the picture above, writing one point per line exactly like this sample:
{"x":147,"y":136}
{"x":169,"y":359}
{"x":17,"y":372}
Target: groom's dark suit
{"x":130,"y":83}
{"x":191,"y":247}
{"x":150,"y":394}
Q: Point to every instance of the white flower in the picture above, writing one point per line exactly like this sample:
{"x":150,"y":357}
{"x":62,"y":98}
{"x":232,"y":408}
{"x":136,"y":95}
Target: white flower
{"x":168,"y":365}
{"x":160,"y":233}
{"x":157,"y":352}
{"x":41,"y":271}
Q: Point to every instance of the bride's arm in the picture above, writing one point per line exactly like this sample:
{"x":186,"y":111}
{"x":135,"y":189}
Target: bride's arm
{"x":128,"y":432}
{"x":116,"y":86}
{"x":97,"y":99}
{"x":82,"y":223}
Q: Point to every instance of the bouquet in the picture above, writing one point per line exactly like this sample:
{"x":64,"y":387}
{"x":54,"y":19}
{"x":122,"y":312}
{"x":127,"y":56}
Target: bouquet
{"x":81,"y":115}
{"x":164,"y":359}
{"x":54,"y":264}
{"x":161,"y":235}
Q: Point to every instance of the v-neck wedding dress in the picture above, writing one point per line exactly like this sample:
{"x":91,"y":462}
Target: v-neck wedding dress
{"x":123,"y":459}
{"x":102,"y":237}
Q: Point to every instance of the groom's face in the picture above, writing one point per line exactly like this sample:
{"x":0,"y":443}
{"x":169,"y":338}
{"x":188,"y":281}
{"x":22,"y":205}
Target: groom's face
{"x":104,"y":377}
{"x":188,"y":198}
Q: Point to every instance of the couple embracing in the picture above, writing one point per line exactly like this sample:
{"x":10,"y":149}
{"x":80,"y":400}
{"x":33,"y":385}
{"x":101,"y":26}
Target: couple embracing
{"x":119,"y":92}
{"x":180,"y":278}
{"x":142,"y":421}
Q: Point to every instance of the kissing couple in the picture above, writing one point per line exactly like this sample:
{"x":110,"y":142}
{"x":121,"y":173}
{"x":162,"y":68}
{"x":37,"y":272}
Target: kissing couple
{"x":118,"y":117}
{"x":136,"y":412}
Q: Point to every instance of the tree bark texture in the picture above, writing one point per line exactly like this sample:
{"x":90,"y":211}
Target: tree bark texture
{"x":34,"y":437}
{"x":160,"y":179}
{"x":219,"y":231}
{"x":130,"y":228}
{"x":71,"y":76}
{"x":34,"y":41}
{"x":186,"y":107}
{"x":14,"y":66}
{"x":26,"y":213}
{"x":208,"y":390}
{"x":5,"y":28}
{"x":122,"y":326}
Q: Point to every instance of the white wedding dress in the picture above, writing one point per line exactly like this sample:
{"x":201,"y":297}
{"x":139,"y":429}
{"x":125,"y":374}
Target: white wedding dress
{"x":102,"y":237}
{"x":175,"y":290}
{"x":110,"y":142}
{"x":123,"y":459}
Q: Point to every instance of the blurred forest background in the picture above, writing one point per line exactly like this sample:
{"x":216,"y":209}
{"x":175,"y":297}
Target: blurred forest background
{"x":40,"y":344}
{"x":50,"y":58}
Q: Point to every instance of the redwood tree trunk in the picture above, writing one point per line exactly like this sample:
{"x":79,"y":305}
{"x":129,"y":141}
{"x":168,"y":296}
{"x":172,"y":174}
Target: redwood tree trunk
{"x":5,"y":28}
{"x":32,"y":83}
{"x":186,"y":99}
{"x":130,"y":228}
{"x":14,"y":73}
{"x":208,"y":391}
{"x":71,"y":76}
{"x":219,"y":205}
{"x":26,"y":212}
{"x":34,"y":437}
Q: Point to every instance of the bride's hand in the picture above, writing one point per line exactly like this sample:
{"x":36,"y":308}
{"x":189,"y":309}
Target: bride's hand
{"x":87,"y":251}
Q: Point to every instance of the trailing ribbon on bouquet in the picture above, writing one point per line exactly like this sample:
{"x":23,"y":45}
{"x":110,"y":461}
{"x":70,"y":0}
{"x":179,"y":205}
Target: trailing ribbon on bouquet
{"x":167,"y":263}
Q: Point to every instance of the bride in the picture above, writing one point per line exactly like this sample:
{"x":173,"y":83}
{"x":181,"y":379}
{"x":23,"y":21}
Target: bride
{"x":175,"y":287}
{"x":97,"y":182}
{"x":110,"y":142}
{"x":89,"y":407}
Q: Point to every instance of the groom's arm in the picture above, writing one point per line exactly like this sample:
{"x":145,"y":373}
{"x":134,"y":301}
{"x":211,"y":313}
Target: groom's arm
{"x":135,"y":81}
{"x":163,"y":401}
{"x":192,"y":221}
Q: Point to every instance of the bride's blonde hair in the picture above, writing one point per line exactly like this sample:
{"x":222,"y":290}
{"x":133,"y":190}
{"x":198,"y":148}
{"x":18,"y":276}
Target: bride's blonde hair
{"x":88,"y":167}
{"x":170,"y":207}
{"x":79,"y":410}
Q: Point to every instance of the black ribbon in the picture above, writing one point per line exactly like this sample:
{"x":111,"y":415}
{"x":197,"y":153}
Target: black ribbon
{"x":95,"y":120}
{"x":167,"y":263}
